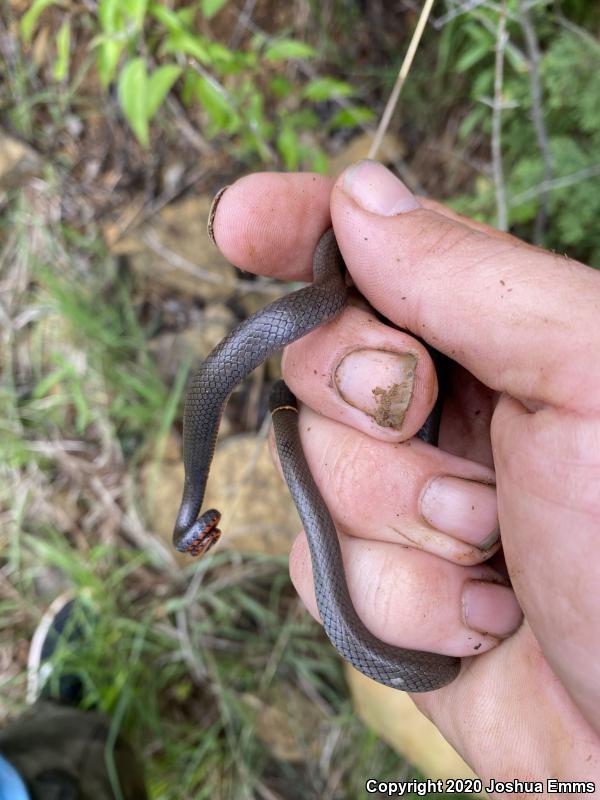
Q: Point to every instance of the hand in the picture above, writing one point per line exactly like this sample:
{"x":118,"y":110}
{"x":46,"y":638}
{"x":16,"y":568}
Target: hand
{"x":524,"y":400}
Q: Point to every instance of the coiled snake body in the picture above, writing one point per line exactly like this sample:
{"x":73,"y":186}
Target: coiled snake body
{"x":247,"y":346}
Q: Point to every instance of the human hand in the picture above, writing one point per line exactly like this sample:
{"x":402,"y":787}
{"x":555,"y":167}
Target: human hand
{"x":524,"y":398}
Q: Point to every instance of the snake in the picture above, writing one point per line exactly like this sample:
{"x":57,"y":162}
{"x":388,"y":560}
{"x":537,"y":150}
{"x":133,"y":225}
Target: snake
{"x":278,"y":324}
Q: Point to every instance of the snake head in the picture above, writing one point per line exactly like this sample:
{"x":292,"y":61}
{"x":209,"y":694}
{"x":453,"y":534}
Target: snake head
{"x":202,"y":535}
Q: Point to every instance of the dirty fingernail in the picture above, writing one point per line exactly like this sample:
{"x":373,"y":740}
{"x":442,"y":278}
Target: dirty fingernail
{"x":377,"y":190}
{"x":378,"y":382}
{"x":466,"y":510}
{"x":210,"y":225}
{"x":490,"y":608}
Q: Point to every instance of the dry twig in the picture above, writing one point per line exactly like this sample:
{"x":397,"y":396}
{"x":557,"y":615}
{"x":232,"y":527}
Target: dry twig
{"x":537,"y":114}
{"x":401,"y":79}
{"x":457,"y":11}
{"x":556,"y":183}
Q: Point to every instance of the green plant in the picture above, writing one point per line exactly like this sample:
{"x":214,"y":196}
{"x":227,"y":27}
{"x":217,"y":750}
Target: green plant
{"x":154,"y":52}
{"x":554,"y":177}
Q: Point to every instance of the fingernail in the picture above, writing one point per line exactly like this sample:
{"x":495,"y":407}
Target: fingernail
{"x":378,"y":190}
{"x":210,"y":225}
{"x":490,"y":608}
{"x":466,"y":510}
{"x":378,"y":382}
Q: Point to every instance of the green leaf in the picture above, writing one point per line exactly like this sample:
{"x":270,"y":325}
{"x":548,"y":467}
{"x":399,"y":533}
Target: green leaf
{"x":108,"y":14}
{"x":255,"y":115}
{"x":472,"y":56}
{"x":188,"y":90}
{"x":211,"y":7}
{"x":169,"y":18}
{"x":180,"y":41}
{"x":112,"y":43}
{"x":237,"y":62}
{"x":318,"y":162}
{"x":136,"y":11}
{"x":220,"y":53}
{"x":482,"y":83}
{"x":63,"y":45}
{"x":351,"y":117}
{"x":30,"y":18}
{"x":107,"y":60}
{"x":474,"y":118}
{"x":305,"y":120}
{"x":83,"y":411}
{"x":48,"y":382}
{"x":327,"y":88}
{"x":515,"y":58}
{"x":282,"y":49}
{"x":186,"y":15}
{"x":133,"y":88}
{"x":280,"y":86}
{"x":216,"y":104}
{"x":288,"y":145}
{"x":159,"y":85}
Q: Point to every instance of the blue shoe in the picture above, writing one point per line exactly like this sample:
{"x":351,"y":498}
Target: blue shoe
{"x":11,"y":784}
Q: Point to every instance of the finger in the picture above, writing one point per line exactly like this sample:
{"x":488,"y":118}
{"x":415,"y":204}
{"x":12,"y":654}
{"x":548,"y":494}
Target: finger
{"x":511,"y":314}
{"x":550,"y":503}
{"x":411,"y":599}
{"x":363,"y":373}
{"x":410,"y":493}
{"x":269,"y":223}
{"x":380,"y":380}
{"x":513,"y":689}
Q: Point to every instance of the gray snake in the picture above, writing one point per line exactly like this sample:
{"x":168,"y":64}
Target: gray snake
{"x":278,"y":324}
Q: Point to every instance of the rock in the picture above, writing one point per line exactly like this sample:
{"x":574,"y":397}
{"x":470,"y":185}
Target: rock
{"x":288,"y":723}
{"x":18,"y":162}
{"x":258,"y":513}
{"x":395,"y":718}
{"x":172,"y":349}
{"x":172,"y":175}
{"x":174,"y":250}
{"x":162,"y":483}
{"x":252,"y":301}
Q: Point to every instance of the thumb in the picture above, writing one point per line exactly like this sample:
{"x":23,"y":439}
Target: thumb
{"x":520,"y":319}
